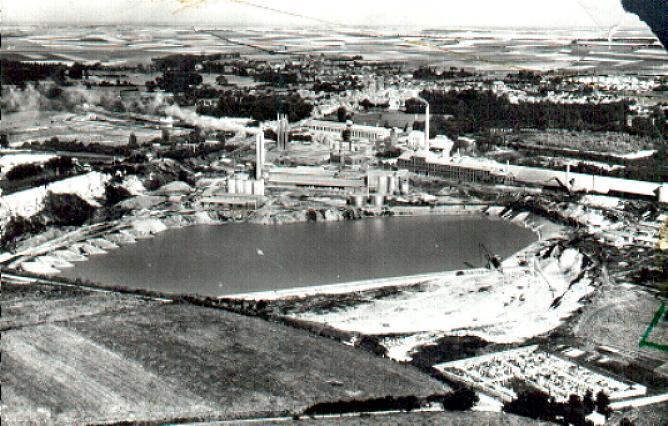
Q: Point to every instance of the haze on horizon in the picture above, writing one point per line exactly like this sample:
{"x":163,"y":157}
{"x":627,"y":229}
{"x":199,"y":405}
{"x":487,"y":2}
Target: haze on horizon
{"x":595,"y":14}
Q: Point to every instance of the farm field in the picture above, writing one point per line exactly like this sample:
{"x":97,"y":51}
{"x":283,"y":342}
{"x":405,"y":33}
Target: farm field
{"x":161,"y":362}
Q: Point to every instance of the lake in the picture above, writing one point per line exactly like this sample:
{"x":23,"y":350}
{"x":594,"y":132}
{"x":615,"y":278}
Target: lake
{"x":225,"y":259}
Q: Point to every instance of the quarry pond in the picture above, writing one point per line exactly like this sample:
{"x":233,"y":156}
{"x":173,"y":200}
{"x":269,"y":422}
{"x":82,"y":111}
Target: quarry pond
{"x":216,"y":260}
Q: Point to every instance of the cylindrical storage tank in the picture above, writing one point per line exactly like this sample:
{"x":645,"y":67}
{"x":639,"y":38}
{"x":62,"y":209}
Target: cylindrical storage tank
{"x":258,"y":187}
{"x":358,"y":200}
{"x":248,"y":187}
{"x":240,"y":186}
{"x":231,"y":186}
{"x":391,"y":185}
{"x":382,"y":185}
{"x":378,"y":200}
{"x":404,"y":187}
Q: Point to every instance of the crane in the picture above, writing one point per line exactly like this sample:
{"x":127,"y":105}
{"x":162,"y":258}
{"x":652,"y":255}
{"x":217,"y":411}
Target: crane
{"x":493,"y":260}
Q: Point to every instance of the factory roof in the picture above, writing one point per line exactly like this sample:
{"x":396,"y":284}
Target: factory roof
{"x":577,"y":181}
{"x":341,"y":126}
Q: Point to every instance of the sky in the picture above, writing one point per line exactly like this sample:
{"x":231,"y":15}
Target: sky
{"x":300,"y":13}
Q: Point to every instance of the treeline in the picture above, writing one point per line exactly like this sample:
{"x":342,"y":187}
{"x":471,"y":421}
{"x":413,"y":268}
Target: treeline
{"x":276,"y":78}
{"x":54,"y":144}
{"x":538,"y":405}
{"x":58,"y":165}
{"x":188,"y":62}
{"x":18,"y":73}
{"x":261,"y":107}
{"x":475,"y":110}
{"x":429,"y":73}
{"x":341,"y":84}
{"x":387,"y":403}
{"x":461,"y":399}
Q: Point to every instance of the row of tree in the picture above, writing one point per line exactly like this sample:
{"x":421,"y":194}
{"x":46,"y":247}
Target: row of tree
{"x":538,"y":405}
{"x":461,"y":399}
{"x":57,"y":165}
{"x":430,"y":73}
{"x":475,"y":110}
{"x":261,"y":107}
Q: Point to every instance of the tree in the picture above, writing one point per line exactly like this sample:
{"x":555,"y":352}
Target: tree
{"x":76,"y":71}
{"x":574,"y":411}
{"x":150,"y":86}
{"x":342,"y":114}
{"x":60,"y":164}
{"x":164,"y":136}
{"x":132,"y":141}
{"x":221,"y":80}
{"x":603,"y":403}
{"x":535,"y":404}
{"x":4,"y":140}
{"x":461,"y":399}
{"x":588,"y":402}
{"x":346,"y":135}
{"x":195,"y":136}
{"x":220,"y":137}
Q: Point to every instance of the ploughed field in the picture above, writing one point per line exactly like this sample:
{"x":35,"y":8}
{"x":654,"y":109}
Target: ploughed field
{"x":139,"y":360}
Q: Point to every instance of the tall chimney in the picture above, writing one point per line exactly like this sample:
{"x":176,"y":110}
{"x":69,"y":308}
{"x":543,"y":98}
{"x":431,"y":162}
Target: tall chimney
{"x":426,"y":128}
{"x":259,"y":154}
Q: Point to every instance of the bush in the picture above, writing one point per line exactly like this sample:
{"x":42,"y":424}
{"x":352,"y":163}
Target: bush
{"x":461,"y":399}
{"x":67,"y":209}
{"x":404,"y":403}
{"x":114,"y":194}
{"x":22,"y":171}
{"x":17,"y":227}
{"x":372,"y":344}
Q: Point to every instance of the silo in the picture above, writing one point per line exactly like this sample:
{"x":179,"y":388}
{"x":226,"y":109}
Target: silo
{"x":240,"y":186}
{"x":248,"y":187}
{"x":378,"y":200}
{"x":382,"y":185}
{"x":391,"y":184}
{"x":404,"y":187}
{"x":231,"y":186}
{"x":258,"y":187}
{"x":358,"y":200}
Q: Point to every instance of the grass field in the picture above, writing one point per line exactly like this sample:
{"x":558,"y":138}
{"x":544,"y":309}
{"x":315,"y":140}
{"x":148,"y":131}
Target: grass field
{"x":159,"y":362}
{"x":24,"y":305}
{"x":618,"y":317}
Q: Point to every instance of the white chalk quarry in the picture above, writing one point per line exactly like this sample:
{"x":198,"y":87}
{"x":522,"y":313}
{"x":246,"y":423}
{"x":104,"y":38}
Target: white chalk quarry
{"x":499,"y":307}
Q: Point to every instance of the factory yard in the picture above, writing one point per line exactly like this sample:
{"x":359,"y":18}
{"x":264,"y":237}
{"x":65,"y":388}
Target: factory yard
{"x":119,"y":358}
{"x":558,"y":377}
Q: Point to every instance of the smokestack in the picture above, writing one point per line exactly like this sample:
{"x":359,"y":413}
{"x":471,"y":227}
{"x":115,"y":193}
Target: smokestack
{"x":259,"y":154}
{"x":426,"y":128}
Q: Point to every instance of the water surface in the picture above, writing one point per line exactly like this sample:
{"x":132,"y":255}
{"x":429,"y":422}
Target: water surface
{"x":237,"y":258}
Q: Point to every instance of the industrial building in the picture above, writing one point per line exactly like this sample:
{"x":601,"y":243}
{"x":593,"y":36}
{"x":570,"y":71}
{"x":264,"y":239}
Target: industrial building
{"x":282,"y":132}
{"x":311,"y":177}
{"x":477,"y":170}
{"x":458,"y":169}
{"x":371,"y":133}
